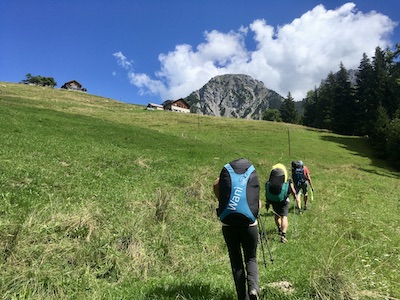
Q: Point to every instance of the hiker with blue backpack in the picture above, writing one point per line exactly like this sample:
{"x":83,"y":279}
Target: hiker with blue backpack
{"x":238,"y":190}
{"x":301,"y":179}
{"x":278,"y":188}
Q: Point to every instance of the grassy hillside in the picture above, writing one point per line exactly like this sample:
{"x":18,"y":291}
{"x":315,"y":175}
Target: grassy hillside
{"x":105,"y":200}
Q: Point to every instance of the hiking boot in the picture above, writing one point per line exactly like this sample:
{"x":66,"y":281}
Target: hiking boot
{"x":300,"y":211}
{"x":253,"y":295}
{"x":283,"y":239}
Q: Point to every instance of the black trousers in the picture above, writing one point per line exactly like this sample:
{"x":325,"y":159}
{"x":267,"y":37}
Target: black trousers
{"x":246,"y":238}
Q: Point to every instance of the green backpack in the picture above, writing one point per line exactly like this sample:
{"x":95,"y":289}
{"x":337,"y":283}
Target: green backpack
{"x":277,"y":186}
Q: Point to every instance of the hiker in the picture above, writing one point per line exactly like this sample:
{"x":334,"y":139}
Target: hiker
{"x":277,"y":191}
{"x":237,"y":190}
{"x":301,"y":179}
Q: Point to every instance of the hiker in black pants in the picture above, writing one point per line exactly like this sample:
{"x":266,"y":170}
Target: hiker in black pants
{"x":237,"y":189}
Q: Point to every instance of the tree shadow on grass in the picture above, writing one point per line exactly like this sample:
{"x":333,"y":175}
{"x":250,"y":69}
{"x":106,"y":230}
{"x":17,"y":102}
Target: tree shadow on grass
{"x":360,"y":147}
{"x":189,"y":291}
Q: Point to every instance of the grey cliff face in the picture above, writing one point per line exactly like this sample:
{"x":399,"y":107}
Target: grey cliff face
{"x":238,"y":96}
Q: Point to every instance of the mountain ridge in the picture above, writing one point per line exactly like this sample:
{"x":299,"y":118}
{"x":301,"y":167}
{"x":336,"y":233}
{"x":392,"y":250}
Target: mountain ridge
{"x":234,"y":95}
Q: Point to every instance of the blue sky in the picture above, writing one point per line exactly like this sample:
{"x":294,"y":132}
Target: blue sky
{"x":141,"y":51}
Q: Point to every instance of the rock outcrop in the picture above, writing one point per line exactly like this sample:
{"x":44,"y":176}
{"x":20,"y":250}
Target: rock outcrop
{"x":234,"y":95}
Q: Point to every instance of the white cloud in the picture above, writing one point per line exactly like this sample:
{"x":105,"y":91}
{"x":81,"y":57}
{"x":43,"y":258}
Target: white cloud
{"x":122,"y":60}
{"x":147,"y":85}
{"x":291,"y":58}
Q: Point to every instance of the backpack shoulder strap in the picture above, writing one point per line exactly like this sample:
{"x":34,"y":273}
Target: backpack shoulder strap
{"x":232,"y":171}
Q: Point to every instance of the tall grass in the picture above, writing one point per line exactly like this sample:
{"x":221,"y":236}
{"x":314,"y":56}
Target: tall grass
{"x":105,"y":200}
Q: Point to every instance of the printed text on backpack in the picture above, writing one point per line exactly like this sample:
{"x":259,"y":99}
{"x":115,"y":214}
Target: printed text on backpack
{"x":239,"y":193}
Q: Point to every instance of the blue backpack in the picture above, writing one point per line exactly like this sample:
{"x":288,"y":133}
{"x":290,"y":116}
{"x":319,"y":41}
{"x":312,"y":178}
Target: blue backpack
{"x":239,"y":193}
{"x":298,"y":173}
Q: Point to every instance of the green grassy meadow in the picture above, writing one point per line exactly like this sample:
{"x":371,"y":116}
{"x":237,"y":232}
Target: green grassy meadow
{"x":105,"y":200}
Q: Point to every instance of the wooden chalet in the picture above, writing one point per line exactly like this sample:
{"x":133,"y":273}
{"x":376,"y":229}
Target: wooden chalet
{"x":153,"y":106}
{"x":179,"y":105}
{"x":73,"y":85}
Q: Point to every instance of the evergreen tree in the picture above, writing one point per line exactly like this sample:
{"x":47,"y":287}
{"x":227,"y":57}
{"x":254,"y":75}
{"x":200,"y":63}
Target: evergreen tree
{"x":379,"y":132}
{"x":365,"y":97}
{"x":380,"y":78}
{"x":393,"y":142}
{"x":392,"y":96}
{"x":310,"y":109}
{"x":370,"y":108}
{"x":325,"y":102}
{"x":343,"y":103}
{"x":288,"y":110}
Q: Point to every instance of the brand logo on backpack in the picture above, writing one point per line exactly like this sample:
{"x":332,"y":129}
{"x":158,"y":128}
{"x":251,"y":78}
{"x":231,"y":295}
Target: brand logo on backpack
{"x":238,"y":202}
{"x":298,"y":172}
{"x":237,"y":194}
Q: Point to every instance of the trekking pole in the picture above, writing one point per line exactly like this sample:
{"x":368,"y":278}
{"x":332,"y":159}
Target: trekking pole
{"x":261,"y":241}
{"x":266,"y":241}
{"x":294,"y":221}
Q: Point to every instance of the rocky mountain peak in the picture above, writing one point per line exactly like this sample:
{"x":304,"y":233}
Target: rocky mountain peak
{"x":234,"y":95}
